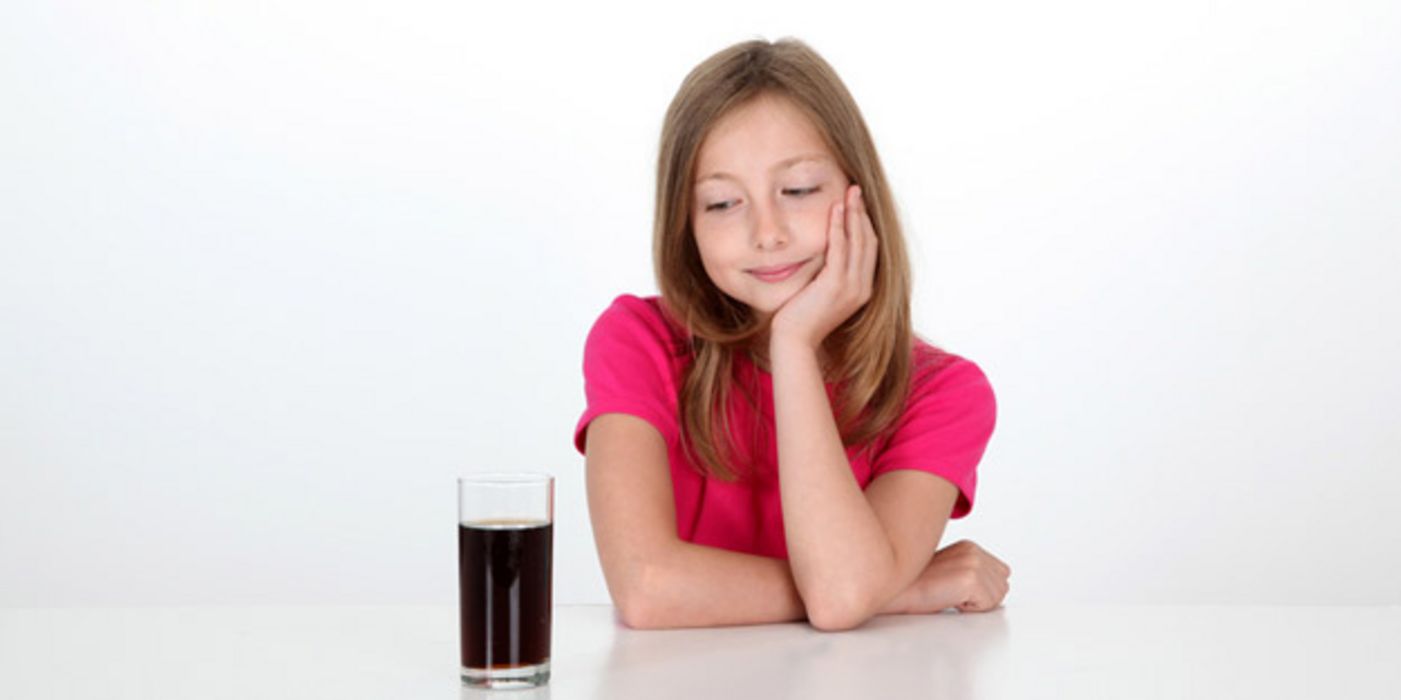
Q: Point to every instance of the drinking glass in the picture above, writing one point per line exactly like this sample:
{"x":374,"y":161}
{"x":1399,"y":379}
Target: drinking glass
{"x":505,"y":537}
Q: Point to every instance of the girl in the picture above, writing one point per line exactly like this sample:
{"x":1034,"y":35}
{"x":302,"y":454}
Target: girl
{"x":767,"y":440}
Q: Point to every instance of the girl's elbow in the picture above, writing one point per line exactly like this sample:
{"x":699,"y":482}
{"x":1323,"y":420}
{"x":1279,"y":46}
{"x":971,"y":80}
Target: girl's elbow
{"x":632,"y":616}
{"x":836,"y":623}
{"x":636,"y":601}
{"x":837,"y":618}
{"x":634,"y":611}
{"x":837,"y":608}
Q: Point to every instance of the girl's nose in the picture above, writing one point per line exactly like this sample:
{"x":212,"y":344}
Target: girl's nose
{"x":769,"y":228}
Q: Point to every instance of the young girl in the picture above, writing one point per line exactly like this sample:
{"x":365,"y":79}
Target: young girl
{"x":767,"y":440}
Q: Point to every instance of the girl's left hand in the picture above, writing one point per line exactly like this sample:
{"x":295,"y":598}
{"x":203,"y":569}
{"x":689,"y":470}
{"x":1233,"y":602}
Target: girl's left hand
{"x":842,"y":286}
{"x":961,"y":575}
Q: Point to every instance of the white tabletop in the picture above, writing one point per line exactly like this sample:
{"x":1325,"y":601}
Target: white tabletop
{"x":1019,"y":651}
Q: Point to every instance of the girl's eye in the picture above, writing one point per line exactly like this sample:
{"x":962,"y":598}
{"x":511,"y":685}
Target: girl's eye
{"x":792,"y":191}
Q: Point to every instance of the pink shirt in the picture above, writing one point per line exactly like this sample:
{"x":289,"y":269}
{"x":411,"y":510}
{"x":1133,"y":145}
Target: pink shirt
{"x":633,"y":363}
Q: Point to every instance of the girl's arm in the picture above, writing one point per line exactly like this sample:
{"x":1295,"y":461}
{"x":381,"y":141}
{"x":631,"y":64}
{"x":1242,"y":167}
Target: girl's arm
{"x":851,"y":552}
{"x":657,"y":580}
{"x":698,"y":586}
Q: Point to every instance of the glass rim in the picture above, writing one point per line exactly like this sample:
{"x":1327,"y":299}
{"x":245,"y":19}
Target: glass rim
{"x":505,"y":478}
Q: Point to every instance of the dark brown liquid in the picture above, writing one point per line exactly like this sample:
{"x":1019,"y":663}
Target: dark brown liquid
{"x":504,"y":572}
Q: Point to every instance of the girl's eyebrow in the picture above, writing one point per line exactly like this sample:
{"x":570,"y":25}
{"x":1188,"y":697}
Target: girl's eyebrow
{"x":780,"y":165}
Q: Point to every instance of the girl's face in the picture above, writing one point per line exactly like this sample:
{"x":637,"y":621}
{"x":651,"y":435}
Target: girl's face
{"x":764,"y":190}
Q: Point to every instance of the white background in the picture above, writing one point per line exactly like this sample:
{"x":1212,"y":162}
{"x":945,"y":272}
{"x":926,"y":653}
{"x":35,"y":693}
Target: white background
{"x":273,"y":274}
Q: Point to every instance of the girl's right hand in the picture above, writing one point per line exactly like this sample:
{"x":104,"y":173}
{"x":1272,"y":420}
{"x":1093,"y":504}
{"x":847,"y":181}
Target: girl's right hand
{"x":961,"y":575}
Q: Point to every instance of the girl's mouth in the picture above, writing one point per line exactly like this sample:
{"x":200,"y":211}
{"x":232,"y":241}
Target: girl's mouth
{"x":776,"y":274}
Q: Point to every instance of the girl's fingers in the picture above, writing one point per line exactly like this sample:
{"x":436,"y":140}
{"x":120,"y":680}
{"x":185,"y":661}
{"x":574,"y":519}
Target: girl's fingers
{"x":861,"y":234}
{"x":856,"y":249}
{"x":836,"y":240}
{"x":1001,"y":565}
{"x":872,"y":246}
{"x":990,"y":586}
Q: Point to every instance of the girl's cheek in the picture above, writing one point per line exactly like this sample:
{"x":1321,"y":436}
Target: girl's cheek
{"x":820,"y":219}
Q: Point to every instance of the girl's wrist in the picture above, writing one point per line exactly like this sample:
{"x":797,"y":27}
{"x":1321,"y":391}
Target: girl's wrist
{"x":789,"y":344}
{"x":792,"y":354}
{"x":902,"y":604}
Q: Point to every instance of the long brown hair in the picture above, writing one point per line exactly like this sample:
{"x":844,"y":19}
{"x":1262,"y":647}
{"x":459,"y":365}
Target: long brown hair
{"x":870,"y":353}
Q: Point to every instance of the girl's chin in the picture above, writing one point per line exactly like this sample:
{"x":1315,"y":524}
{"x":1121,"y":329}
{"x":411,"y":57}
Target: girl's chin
{"x":768,"y":304}
{"x":761,"y":306}
{"x":765,"y":299}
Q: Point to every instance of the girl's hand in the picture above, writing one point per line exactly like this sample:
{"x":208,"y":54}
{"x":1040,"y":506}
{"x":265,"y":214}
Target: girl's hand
{"x":961,"y":575}
{"x":842,"y":286}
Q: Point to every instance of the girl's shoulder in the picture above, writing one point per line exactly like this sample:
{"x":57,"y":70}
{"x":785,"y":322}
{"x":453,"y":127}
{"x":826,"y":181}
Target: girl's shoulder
{"x":935,"y":368}
{"x":645,"y":307}
{"x":642,"y":320}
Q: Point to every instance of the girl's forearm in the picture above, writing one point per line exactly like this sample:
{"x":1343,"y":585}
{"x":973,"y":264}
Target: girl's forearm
{"x":701,"y":586}
{"x":842,"y":560}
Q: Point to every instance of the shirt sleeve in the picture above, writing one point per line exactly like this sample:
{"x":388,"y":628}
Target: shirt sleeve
{"x":945,"y":429}
{"x":628,"y":368}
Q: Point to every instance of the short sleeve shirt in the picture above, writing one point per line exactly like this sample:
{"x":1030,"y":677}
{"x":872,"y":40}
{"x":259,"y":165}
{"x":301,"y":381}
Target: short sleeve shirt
{"x":634,"y":363}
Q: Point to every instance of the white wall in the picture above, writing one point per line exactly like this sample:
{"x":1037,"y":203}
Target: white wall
{"x":273,"y":274}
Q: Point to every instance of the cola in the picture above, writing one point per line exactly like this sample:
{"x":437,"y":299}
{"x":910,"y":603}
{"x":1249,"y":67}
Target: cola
{"x":504,"y":575}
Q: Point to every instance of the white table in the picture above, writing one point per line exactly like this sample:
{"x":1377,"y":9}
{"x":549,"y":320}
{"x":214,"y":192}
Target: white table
{"x":1019,"y":651}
